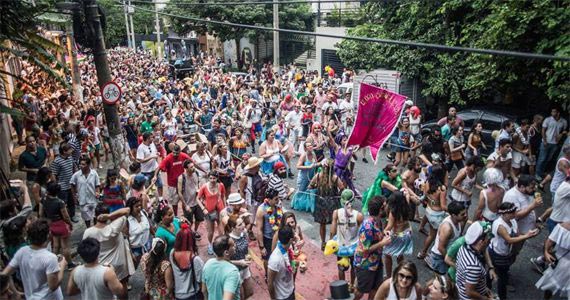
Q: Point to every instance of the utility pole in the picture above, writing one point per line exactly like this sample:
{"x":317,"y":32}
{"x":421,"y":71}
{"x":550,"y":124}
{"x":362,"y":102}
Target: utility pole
{"x":75,"y":73}
{"x":126,"y":9}
{"x":276,"y":35}
{"x":117,"y":140}
{"x":131,"y":11}
{"x":157,"y":20}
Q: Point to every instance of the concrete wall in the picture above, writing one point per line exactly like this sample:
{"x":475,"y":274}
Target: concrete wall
{"x":325,"y":43}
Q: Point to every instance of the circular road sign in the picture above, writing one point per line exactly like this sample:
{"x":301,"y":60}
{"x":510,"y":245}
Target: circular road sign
{"x":111,"y":93}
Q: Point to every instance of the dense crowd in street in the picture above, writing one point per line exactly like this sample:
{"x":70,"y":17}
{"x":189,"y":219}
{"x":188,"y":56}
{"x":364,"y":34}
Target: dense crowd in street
{"x":208,"y":157}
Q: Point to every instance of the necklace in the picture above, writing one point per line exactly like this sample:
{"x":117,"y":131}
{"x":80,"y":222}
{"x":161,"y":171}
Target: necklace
{"x":274,"y":217}
{"x":289,"y":262}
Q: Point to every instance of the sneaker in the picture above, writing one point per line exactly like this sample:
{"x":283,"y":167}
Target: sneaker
{"x":210,"y":250}
{"x":74,"y":219}
{"x":71,"y":265}
{"x":538,"y":266}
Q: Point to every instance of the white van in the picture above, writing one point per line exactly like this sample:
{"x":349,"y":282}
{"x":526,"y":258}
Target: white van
{"x":345,"y":88}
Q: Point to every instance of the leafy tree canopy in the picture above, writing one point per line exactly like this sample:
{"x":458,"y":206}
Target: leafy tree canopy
{"x":116,"y":30}
{"x":538,"y":26}
{"x":291,"y":16}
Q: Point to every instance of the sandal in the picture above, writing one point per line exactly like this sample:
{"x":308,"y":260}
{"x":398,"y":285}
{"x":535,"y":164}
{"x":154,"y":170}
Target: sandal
{"x":323,"y":245}
{"x":423,"y":231}
{"x":421,"y":255}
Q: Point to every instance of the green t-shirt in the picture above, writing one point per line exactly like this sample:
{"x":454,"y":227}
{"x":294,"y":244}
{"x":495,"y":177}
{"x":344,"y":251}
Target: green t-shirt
{"x":221,"y":276}
{"x":168,"y":236}
{"x":146,"y":127}
{"x":452,"y":252}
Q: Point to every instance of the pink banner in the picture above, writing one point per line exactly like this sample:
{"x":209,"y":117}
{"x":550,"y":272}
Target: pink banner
{"x":378,"y":114}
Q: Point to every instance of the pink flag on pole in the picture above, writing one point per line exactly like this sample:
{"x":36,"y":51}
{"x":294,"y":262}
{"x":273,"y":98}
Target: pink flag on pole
{"x":378,"y":114}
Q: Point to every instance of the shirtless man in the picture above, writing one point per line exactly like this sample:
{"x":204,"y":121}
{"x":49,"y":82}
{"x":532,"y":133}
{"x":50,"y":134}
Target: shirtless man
{"x":491,"y":197}
{"x":408,"y":179}
{"x":502,"y":159}
{"x":521,"y":147}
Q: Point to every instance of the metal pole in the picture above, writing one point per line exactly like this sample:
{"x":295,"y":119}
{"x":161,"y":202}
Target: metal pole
{"x":125,"y":8}
{"x":131,"y":11}
{"x":157,"y":20}
{"x":75,"y":73}
{"x":117,"y":140}
{"x":276,"y":36}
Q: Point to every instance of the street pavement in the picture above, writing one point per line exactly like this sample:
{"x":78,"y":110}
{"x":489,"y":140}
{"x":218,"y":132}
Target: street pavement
{"x":314,"y":284}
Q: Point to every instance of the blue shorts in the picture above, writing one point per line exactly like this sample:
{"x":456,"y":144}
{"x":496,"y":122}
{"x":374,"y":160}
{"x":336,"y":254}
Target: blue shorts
{"x":436,"y":262}
{"x":257,"y":127}
{"x":150,"y":176}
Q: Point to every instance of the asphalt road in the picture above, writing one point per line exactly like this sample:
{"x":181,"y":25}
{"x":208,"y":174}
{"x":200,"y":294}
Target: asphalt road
{"x":522,"y":275}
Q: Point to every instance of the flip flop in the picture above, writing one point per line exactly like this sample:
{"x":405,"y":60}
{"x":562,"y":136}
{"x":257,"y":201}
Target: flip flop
{"x":421,"y":255}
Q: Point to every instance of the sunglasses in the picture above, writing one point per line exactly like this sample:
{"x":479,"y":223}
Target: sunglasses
{"x":405,"y":277}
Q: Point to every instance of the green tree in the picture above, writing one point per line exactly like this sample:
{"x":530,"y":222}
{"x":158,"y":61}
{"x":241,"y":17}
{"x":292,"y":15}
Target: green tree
{"x":292,"y":16}
{"x":116,"y":31}
{"x":538,"y":26}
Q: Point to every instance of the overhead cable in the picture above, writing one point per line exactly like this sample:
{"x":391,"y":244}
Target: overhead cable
{"x":411,"y":44}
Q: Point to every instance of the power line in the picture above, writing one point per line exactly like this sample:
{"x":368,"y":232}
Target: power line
{"x":251,"y":2}
{"x":376,"y":40}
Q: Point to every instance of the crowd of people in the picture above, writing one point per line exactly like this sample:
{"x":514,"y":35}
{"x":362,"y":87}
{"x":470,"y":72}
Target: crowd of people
{"x":226,"y":144}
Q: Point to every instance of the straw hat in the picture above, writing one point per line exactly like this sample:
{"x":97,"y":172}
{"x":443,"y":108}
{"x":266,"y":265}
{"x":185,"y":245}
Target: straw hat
{"x":182,"y":144}
{"x":253,"y":162}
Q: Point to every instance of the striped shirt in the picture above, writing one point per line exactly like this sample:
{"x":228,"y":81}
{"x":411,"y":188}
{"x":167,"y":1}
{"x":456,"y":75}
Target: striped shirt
{"x":276,"y":183}
{"x":63,"y":168}
{"x":76,"y":145}
{"x":470,"y":270}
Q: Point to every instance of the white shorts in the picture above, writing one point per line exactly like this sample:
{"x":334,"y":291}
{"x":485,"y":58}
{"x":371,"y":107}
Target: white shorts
{"x":172,"y":195}
{"x":519,"y":160}
{"x":88,"y":211}
{"x":244,"y":274}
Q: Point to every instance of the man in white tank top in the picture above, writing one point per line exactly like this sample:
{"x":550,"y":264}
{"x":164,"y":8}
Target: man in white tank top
{"x":93,"y":280}
{"x":449,"y":230}
{"x":345,"y":225}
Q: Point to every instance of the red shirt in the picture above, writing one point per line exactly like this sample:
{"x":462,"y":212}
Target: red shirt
{"x":213,"y":202}
{"x":173,"y":167}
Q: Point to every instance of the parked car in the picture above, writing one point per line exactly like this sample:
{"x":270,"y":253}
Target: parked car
{"x":491,"y":121}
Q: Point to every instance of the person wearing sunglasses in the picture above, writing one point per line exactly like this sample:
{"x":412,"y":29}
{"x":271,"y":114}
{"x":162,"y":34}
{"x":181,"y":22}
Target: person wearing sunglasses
{"x":402,"y":285}
{"x":440,"y":288}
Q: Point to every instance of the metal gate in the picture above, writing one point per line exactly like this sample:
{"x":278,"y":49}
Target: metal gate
{"x":330,"y":58}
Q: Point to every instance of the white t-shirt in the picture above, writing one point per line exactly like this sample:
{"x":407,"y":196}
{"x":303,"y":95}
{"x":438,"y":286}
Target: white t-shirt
{"x":294,"y":119}
{"x":495,"y":155}
{"x":86,"y":186}
{"x":284,"y":284}
{"x":144,"y":151}
{"x":203,"y":162}
{"x":561,"y":204}
{"x":521,"y":201}
{"x":498,"y":244}
{"x":553,"y":129}
{"x":34,"y":266}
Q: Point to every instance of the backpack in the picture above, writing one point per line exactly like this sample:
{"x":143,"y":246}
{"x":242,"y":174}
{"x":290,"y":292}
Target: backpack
{"x":259,"y":187}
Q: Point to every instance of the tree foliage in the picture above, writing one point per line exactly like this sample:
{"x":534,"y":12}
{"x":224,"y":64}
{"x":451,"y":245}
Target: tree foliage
{"x":538,"y":26}
{"x":291,"y":16}
{"x":19,"y":27}
{"x":116,"y":30}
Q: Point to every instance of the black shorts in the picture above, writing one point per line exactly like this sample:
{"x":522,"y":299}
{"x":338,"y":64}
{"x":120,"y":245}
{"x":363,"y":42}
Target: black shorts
{"x":367,"y":281}
{"x":267,"y":243}
{"x":227,"y":182}
{"x":194,"y":214}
